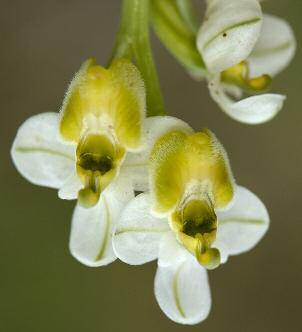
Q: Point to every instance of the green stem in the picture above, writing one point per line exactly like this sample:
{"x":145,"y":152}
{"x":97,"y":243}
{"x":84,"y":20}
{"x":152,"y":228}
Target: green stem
{"x":123,"y":43}
{"x":144,"y":58}
{"x":133,"y":41}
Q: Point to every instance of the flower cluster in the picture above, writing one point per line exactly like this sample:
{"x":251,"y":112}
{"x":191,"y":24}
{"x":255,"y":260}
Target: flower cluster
{"x":150,"y":187}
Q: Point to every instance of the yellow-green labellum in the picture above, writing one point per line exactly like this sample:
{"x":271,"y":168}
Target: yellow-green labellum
{"x":102,"y":113}
{"x":178,"y":160}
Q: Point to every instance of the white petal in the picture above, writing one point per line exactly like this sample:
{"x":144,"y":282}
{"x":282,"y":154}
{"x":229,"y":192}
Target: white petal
{"x":135,"y":167}
{"x":274,"y":49}
{"x":182,"y":291}
{"x":39,"y":154}
{"x":92,"y":229}
{"x":229,"y":32}
{"x":136,"y":164}
{"x":138,"y":233}
{"x":243,"y":226}
{"x":170,"y":251}
{"x":257,"y":109}
{"x":252,"y":110}
{"x":71,"y":187}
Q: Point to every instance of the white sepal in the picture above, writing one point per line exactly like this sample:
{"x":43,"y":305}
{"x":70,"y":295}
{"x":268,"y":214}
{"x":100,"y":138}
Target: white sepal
{"x":170,"y":251}
{"x":92,"y":229}
{"x":138,"y":233}
{"x":251,"y":110}
{"x":70,"y":188}
{"x":182,"y":291}
{"x":274,"y":49}
{"x":135,"y":167}
{"x":229,"y":32}
{"x":39,"y":154}
{"x":243,"y":226}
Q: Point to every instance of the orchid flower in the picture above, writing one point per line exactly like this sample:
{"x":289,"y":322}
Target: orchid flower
{"x":85,"y":152}
{"x":242,"y":49}
{"x":193,"y":219}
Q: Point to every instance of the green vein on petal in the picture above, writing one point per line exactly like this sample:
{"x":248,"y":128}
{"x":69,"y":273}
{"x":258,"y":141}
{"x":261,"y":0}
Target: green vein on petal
{"x":175,"y":292}
{"x":139,"y":230}
{"x":107,"y":221}
{"x":43,"y":150}
{"x":242,"y":221}
{"x":135,"y":165}
{"x":269,"y":51}
{"x":231,"y":27}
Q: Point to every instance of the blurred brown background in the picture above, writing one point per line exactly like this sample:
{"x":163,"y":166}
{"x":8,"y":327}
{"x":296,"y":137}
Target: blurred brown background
{"x":42,"y":288}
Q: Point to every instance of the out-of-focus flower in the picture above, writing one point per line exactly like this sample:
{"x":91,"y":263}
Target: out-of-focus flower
{"x":242,"y":49}
{"x":86,"y":152}
{"x":193,"y":218}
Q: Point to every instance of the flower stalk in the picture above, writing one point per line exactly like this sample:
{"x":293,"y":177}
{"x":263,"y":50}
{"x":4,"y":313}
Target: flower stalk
{"x":175,"y":26}
{"x":133,"y":42}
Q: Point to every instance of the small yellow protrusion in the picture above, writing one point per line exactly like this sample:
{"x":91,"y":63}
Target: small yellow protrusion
{"x":87,"y":197}
{"x":240,"y":75}
{"x":207,"y":257}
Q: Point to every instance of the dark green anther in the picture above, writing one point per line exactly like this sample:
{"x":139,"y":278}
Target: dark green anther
{"x":95,"y":162}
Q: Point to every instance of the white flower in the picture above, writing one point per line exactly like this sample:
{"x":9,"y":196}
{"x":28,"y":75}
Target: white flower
{"x":237,"y":42}
{"x":192,"y":220}
{"x":86,"y":152}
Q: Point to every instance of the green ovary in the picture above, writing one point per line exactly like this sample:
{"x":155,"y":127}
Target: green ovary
{"x":98,"y":159}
